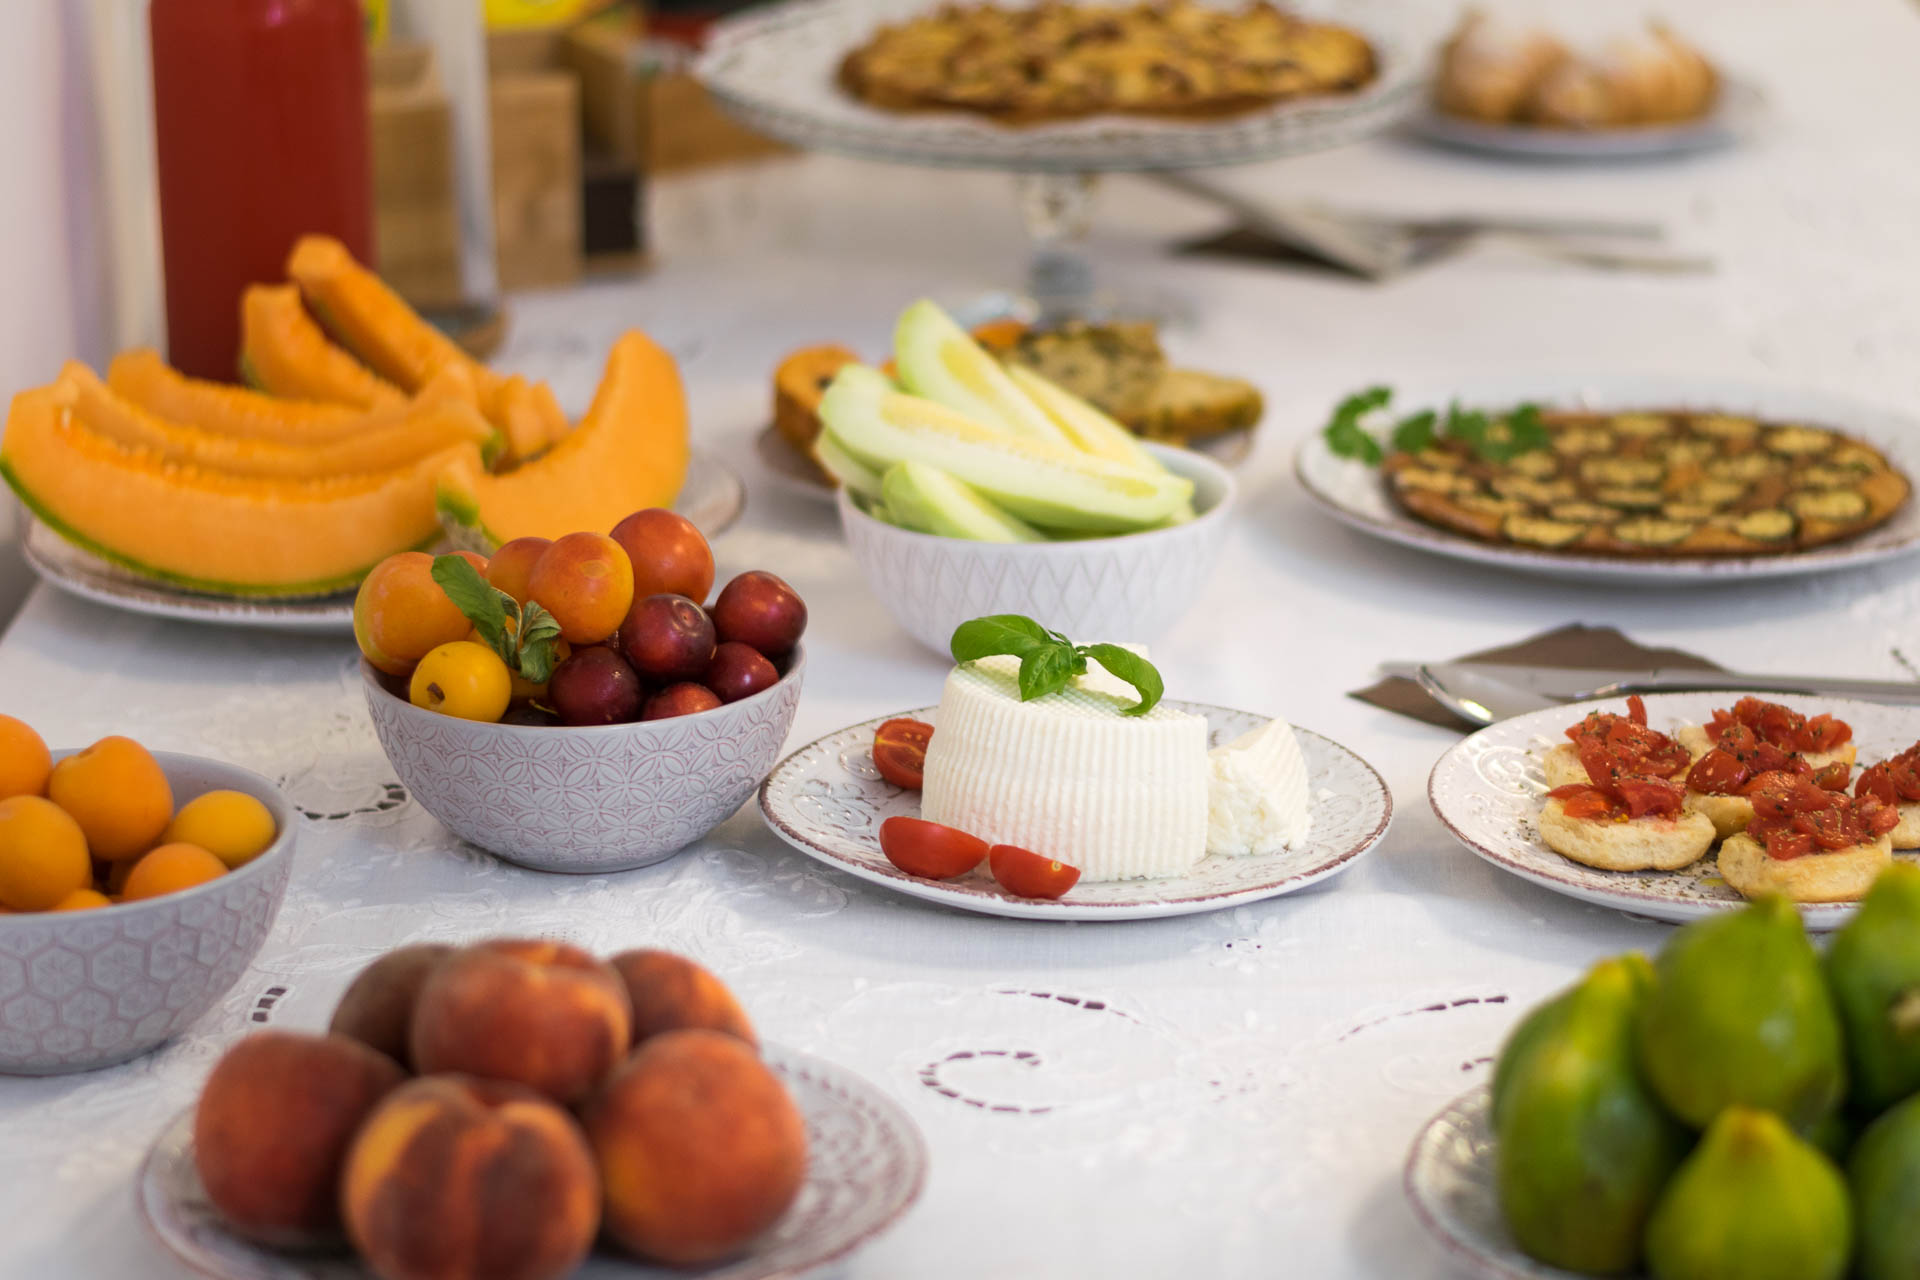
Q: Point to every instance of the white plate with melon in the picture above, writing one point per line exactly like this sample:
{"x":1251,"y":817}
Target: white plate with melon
{"x":365,"y":432}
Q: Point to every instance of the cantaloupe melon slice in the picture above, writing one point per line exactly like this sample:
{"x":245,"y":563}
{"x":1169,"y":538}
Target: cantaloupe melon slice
{"x":378,"y":326}
{"x":629,"y":452}
{"x":212,"y":532}
{"x":142,"y":377}
{"x":284,"y":353}
{"x":431,"y":428}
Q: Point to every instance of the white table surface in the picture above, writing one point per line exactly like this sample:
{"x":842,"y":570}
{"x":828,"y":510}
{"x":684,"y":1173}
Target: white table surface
{"x":1242,"y":1104}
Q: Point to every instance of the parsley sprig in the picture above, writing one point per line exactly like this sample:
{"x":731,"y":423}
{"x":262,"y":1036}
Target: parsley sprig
{"x":1048,"y":660}
{"x":1494,"y":438}
{"x":523,"y":637}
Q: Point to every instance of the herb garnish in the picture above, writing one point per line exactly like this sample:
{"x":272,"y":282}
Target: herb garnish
{"x":1493,"y":439}
{"x":1048,"y":660}
{"x":523,"y":637}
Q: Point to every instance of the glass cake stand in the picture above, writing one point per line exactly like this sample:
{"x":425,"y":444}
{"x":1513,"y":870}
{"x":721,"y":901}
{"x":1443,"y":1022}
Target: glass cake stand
{"x":776,"y":70}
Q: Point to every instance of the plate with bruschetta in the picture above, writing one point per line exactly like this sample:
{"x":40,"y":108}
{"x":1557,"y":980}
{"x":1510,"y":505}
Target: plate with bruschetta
{"x":1679,"y":805}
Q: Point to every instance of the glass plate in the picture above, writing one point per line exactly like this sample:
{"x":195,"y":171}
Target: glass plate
{"x":776,"y":69}
{"x":1732,"y":118}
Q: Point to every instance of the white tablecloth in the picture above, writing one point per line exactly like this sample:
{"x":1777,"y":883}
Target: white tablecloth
{"x":1241,"y":1104}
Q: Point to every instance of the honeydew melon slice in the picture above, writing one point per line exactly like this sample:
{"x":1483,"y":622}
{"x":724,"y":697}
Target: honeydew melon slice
{"x":1084,"y":426}
{"x":1047,"y":484}
{"x":842,"y":466}
{"x":930,"y":500}
{"x":941,"y":361}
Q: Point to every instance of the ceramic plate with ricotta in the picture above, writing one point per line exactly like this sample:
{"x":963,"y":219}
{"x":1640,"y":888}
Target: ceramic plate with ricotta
{"x":1487,"y":789}
{"x":828,"y":800}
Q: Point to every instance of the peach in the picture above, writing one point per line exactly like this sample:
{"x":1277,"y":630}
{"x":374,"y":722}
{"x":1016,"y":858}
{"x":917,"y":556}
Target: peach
{"x":43,"y":855}
{"x":118,"y":794}
{"x":672,"y":993}
{"x":274,"y":1123}
{"x":586,"y":582}
{"x":24,"y":759}
{"x":700,"y":1148}
{"x":454,"y":1178}
{"x":539,"y":1013}
{"x":401,"y":614}
{"x":377,"y":1008}
{"x":511,"y":568}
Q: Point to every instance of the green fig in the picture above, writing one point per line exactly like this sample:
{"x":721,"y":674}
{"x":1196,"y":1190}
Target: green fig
{"x":1753,"y":1202}
{"x":1582,"y":1147}
{"x":1873,"y":967}
{"x":1885,"y":1174}
{"x":1740,"y":1015}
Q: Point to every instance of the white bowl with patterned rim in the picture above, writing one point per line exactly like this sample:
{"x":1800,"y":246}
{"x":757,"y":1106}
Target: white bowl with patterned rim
{"x":1127,"y":589}
{"x":866,"y":1165}
{"x":828,"y":801}
{"x":87,"y":989}
{"x":1488,"y":788}
{"x":585,"y":799}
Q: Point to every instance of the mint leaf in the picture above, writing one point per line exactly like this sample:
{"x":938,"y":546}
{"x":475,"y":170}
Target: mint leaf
{"x":1344,"y":435}
{"x":1415,"y":434}
{"x":1469,"y":426}
{"x":486,"y":606}
{"x":1046,"y":670}
{"x":1127,"y":665}
{"x":539,"y":644}
{"x":1000,"y":633}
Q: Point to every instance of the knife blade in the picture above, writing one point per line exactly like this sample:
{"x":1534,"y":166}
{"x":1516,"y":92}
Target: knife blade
{"x":1574,"y":684}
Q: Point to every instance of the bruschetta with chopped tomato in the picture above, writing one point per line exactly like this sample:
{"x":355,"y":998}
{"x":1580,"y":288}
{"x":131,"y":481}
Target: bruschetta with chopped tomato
{"x":1819,"y":740}
{"x":1628,"y":742}
{"x":1618,"y":822}
{"x":1719,"y":781}
{"x":1896,"y":783}
{"x":1809,"y":843}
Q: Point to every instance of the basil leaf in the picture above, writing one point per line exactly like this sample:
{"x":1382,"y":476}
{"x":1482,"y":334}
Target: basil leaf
{"x":1045,"y":670}
{"x":484,"y":605}
{"x":1000,"y":633}
{"x":1469,"y":426}
{"x":1415,"y":434}
{"x":1344,"y":435}
{"x":1127,"y":665}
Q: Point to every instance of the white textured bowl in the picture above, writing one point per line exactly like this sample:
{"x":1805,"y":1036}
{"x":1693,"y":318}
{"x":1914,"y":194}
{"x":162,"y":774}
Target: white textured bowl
{"x":1126,"y":589}
{"x":586,"y":800}
{"x":87,"y":989}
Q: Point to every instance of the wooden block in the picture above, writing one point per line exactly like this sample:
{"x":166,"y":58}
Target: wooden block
{"x":416,"y":205}
{"x":536,"y":178}
{"x":686,"y":129}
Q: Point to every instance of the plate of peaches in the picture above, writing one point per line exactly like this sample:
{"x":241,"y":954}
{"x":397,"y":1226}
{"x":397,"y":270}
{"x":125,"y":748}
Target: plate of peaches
{"x":522,"y":1109}
{"x":1680,"y":805}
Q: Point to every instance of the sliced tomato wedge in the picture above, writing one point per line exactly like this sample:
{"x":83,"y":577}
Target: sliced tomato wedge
{"x":1029,"y":874}
{"x":1649,"y":796}
{"x":900,"y":752}
{"x":922,"y":848}
{"x":1787,"y":845}
{"x":1718,"y":773}
{"x":1832,"y":777}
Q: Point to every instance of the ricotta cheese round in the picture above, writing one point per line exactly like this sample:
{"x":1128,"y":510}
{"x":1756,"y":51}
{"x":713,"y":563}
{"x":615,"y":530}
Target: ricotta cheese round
{"x":1258,"y":801}
{"x":1067,"y":776}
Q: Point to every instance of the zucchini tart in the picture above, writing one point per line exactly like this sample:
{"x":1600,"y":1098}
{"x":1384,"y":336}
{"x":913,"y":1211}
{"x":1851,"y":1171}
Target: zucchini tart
{"x":1659,"y":483}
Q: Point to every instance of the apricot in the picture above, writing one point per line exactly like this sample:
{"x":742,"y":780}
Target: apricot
{"x":43,"y":854}
{"x":400,"y":614}
{"x":231,"y":825}
{"x":118,"y":794}
{"x":672,"y":993}
{"x":275,"y":1120}
{"x":700,"y":1148}
{"x":24,"y":760}
{"x":377,"y":1008}
{"x":539,"y":1013}
{"x":586,"y":582}
{"x":512,"y":565}
{"x":83,"y":900}
{"x":454,"y":1178}
{"x":169,"y":869}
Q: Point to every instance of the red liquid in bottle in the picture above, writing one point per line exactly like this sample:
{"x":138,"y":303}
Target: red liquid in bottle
{"x":260,"y":116}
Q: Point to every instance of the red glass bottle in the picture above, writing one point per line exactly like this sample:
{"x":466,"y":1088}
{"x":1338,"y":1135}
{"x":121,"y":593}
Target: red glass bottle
{"x":260,"y":122}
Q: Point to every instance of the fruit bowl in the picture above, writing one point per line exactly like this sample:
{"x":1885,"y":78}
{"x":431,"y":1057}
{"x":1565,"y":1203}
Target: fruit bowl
{"x":88,"y":989}
{"x":585,"y":799}
{"x":1130,"y":588}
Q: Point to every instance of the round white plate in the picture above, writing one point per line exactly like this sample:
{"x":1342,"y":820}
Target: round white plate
{"x":866,"y":1164}
{"x":1449,"y":1181}
{"x":1739,"y":107}
{"x":828,"y":801}
{"x":712,"y":498}
{"x":1487,"y":789}
{"x":1354,"y":494}
{"x":776,"y":68}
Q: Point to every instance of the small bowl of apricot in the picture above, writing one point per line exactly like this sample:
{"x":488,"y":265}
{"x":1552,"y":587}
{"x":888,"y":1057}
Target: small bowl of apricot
{"x":135,"y":888}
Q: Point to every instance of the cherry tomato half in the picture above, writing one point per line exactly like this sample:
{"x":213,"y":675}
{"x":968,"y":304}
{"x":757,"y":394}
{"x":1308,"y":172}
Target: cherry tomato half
{"x":1026,"y":873}
{"x":900,"y":752}
{"x":922,"y":848}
